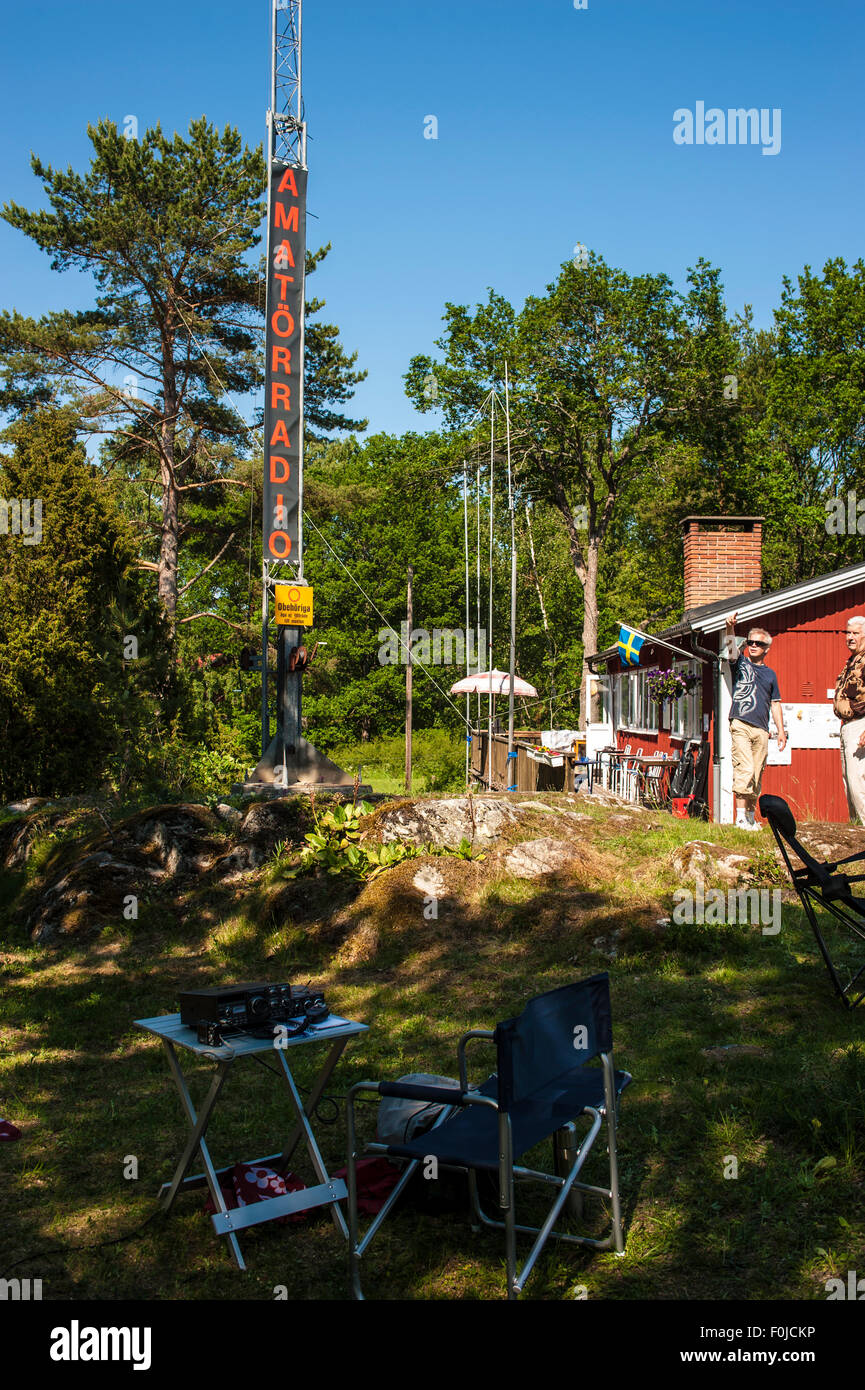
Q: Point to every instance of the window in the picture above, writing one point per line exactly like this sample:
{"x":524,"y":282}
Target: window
{"x":639,"y":709}
{"x":605,"y":699}
{"x":686,"y":712}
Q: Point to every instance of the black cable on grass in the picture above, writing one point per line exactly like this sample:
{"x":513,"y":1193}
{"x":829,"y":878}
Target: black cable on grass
{"x":304,"y":1090}
{"x":97,"y":1245}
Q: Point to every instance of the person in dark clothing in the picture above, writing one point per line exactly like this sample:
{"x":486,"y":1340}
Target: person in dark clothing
{"x":755,"y":693}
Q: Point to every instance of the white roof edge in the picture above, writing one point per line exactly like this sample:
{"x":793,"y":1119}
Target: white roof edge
{"x":772,"y":603}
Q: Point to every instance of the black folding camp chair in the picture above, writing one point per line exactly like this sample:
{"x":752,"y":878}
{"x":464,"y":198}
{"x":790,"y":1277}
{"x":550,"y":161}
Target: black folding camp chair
{"x":544,"y":1082}
{"x":818,"y":885}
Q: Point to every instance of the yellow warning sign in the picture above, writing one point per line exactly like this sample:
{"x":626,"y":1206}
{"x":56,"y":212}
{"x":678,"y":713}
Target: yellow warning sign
{"x":293,"y":605}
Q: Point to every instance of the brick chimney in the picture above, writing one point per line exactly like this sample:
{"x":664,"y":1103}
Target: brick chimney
{"x":722,"y":557}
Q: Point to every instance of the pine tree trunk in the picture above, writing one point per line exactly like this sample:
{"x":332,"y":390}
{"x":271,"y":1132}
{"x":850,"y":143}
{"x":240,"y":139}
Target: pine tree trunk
{"x":168,"y":544}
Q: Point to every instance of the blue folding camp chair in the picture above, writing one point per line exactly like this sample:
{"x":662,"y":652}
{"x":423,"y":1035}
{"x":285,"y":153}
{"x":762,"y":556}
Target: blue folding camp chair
{"x":543,"y":1083}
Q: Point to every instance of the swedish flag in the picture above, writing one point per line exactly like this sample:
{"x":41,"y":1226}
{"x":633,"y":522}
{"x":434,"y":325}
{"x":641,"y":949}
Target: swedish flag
{"x":629,"y":645}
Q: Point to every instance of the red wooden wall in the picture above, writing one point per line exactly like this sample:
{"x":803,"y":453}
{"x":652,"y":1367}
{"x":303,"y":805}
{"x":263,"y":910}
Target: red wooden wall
{"x":807,"y":654}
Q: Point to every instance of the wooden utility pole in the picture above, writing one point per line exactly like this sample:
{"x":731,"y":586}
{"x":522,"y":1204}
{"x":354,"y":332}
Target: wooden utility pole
{"x":408,"y":684}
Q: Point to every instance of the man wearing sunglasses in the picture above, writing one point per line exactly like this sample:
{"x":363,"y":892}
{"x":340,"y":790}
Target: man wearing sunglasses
{"x":849,"y":706}
{"x":755,"y":694}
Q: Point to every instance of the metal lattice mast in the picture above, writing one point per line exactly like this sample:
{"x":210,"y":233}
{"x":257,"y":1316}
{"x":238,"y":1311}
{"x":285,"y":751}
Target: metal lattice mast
{"x":285,"y":117}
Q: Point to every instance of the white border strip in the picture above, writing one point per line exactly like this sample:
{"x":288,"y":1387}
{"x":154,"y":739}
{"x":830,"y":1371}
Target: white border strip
{"x":788,"y":598}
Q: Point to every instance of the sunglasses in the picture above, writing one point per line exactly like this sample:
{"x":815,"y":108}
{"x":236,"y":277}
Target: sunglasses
{"x":756,"y":644}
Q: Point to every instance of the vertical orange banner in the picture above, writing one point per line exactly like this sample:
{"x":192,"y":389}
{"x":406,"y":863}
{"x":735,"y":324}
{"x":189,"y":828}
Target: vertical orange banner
{"x":283,"y":419}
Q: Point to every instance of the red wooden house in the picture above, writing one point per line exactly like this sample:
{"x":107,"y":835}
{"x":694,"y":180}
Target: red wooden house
{"x":807,"y":623}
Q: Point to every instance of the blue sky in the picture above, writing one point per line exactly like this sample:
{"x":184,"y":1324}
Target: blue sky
{"x":555,"y":126}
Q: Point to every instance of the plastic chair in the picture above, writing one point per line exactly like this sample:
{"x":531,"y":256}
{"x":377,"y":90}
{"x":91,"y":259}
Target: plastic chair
{"x":818,"y":885}
{"x":653,"y":786}
{"x":542,"y":1085}
{"x":605,"y":765}
{"x":630,"y":784}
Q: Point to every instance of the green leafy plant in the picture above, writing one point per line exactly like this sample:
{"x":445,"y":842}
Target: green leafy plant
{"x":333,"y":846}
{"x":766,"y":869}
{"x":464,"y":850}
{"x":384,"y":857}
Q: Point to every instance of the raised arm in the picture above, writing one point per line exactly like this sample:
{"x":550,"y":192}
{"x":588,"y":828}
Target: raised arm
{"x":731,"y":651}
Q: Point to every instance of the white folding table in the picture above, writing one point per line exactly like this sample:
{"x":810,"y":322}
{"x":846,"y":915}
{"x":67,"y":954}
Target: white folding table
{"x":329,"y":1192}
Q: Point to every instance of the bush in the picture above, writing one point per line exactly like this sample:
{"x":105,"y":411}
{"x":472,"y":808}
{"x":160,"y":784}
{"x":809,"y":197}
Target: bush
{"x":438,"y":761}
{"x":177,"y":769}
{"x":73,"y":694}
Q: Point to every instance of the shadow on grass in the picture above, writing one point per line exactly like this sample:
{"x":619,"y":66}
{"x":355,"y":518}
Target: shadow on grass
{"x":92,"y":1092}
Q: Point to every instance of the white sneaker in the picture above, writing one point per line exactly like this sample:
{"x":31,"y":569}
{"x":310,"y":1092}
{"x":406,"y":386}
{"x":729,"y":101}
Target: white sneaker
{"x":746,"y":821}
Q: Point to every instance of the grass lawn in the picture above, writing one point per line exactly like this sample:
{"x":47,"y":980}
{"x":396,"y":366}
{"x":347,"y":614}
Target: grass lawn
{"x":90,"y":1091}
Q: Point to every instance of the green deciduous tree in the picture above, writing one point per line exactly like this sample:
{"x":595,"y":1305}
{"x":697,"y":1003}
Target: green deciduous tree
{"x":372,"y":511}
{"x":807,"y":445}
{"x":607,"y":369}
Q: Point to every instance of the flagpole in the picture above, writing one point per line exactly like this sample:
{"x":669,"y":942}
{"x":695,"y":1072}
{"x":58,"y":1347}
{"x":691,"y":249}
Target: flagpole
{"x":660,"y":642}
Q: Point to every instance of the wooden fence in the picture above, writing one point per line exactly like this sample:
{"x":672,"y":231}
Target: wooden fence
{"x":531,"y":776}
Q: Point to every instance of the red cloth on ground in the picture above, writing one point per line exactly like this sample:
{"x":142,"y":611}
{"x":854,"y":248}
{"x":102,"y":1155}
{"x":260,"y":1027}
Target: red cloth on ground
{"x":376,"y":1179}
{"x":252,"y":1182}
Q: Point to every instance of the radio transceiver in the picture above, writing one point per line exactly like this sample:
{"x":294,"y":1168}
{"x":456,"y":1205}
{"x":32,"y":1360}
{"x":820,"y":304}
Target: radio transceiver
{"x":246,"y":1006}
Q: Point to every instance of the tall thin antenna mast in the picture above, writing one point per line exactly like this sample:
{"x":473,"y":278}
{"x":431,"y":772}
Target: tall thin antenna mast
{"x":287,"y":150}
{"x":282,"y":555}
{"x":285,"y":117}
{"x":287,"y":759}
{"x":286,"y":145}
{"x":480,"y":657}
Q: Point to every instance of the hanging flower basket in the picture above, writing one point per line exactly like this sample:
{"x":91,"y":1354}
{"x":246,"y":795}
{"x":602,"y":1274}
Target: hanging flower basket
{"x":669,"y":685}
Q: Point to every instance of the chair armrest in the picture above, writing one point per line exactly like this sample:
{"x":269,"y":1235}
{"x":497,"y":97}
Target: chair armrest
{"x":440,"y":1095}
{"x":485,"y":1035}
{"x":851,"y":859}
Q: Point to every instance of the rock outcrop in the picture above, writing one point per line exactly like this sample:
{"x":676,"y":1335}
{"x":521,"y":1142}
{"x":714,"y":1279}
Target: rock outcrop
{"x":536,"y":858}
{"x":445,"y":824}
{"x":702,"y":859}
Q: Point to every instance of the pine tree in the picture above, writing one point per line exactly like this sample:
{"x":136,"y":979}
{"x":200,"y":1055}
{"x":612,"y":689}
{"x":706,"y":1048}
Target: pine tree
{"x":165,"y":226}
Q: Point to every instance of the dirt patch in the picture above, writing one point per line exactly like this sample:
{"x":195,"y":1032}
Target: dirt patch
{"x":730,"y":1052}
{"x":832,"y":842}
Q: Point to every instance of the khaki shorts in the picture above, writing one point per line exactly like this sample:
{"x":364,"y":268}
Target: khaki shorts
{"x":853,"y":767}
{"x":750,"y":750}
